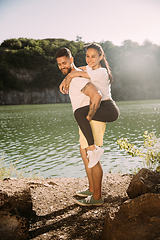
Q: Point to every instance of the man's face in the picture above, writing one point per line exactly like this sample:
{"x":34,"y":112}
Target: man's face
{"x":64,"y":64}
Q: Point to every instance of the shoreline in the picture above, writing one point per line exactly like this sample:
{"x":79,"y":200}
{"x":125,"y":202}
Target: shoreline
{"x":57,"y":216}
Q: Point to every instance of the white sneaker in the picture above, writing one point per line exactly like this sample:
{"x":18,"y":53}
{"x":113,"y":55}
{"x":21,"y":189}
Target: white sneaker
{"x":94,"y":156}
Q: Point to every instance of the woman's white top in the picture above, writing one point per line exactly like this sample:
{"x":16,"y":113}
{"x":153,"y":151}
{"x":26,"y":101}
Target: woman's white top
{"x":100,"y":79}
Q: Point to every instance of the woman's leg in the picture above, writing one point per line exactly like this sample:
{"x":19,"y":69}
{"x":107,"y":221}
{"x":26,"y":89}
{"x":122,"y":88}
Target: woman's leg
{"x":80,"y":116}
{"x":107,"y":112}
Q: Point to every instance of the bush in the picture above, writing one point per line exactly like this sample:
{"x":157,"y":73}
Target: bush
{"x":150,"y":151}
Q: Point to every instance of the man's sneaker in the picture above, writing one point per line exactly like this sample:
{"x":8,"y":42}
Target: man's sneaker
{"x":84,"y":193}
{"x":89,"y":201}
{"x":94,"y":156}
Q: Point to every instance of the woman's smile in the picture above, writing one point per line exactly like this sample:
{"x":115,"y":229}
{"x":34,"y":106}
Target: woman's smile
{"x":93,"y":58}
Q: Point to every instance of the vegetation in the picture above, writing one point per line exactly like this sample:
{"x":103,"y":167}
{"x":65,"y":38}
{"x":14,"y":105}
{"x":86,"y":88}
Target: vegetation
{"x":135,"y":67}
{"x":37,"y":55}
{"x":150,"y":151}
{"x":12,"y":171}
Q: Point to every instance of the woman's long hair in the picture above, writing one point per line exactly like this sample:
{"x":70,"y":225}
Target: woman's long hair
{"x":103,"y":62}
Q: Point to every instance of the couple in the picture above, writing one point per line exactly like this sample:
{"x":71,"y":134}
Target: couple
{"x":90,"y":95}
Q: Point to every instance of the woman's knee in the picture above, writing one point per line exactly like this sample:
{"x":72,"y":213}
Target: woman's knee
{"x":79,"y":113}
{"x":116,"y":114}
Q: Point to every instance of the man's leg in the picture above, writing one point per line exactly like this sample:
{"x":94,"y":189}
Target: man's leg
{"x":97,"y":174}
{"x":88,"y":170}
{"x":95,"y":199}
{"x":94,"y":174}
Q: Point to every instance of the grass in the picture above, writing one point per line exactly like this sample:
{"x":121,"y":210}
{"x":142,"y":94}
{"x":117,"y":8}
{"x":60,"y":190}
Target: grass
{"x":13,"y":172}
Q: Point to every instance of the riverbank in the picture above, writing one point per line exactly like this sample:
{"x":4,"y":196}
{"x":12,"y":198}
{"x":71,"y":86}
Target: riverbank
{"x":57,"y":216}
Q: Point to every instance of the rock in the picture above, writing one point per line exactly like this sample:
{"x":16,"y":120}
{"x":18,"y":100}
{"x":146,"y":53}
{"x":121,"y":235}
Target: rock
{"x":137,"y":219}
{"x":16,"y":194}
{"x":13,"y":226}
{"x":15,"y":209}
{"x":33,"y":97}
{"x":144,"y":182}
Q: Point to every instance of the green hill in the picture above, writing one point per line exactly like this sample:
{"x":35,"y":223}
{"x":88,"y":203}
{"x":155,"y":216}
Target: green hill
{"x":29,"y":64}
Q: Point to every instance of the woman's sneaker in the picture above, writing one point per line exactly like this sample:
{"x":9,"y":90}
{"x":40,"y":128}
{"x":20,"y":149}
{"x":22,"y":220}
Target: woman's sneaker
{"x":94,"y":156}
{"x":84,"y":193}
{"x":89,"y":201}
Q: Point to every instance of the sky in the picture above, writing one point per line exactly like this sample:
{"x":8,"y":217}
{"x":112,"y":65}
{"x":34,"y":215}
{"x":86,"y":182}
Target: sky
{"x":92,"y":20}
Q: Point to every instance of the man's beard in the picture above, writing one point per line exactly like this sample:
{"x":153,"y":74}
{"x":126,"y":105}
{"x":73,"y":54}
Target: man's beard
{"x":69,"y":70}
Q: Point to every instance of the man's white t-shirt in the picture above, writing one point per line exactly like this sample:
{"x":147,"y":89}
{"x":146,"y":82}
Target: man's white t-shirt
{"x":78,"y":99}
{"x":100,"y":79}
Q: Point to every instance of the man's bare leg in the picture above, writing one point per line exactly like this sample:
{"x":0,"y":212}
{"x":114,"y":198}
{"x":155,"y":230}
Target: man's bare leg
{"x":88,"y":170}
{"x":97,"y":174}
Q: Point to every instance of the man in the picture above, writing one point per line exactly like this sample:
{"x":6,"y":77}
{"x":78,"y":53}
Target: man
{"x":82,"y":93}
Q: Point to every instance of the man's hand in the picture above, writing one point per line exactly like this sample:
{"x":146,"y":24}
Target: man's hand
{"x":64,"y":86}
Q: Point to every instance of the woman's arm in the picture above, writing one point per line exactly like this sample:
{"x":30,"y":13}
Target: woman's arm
{"x":64,"y":86}
{"x":83,"y":68}
{"x":74,"y":74}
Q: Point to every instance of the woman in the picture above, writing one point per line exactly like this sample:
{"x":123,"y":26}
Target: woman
{"x":99,"y":73}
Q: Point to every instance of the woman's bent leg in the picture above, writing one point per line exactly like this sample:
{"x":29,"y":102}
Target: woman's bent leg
{"x":80,"y":116}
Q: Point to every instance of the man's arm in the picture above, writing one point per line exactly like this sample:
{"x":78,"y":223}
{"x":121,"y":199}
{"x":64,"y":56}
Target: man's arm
{"x":95,"y":99}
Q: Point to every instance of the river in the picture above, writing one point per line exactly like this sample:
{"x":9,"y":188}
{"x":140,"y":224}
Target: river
{"x":44,"y":138}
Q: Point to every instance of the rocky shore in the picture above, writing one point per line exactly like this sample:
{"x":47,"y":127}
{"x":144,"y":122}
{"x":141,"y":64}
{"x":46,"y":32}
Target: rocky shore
{"x":46,"y":209}
{"x":53,"y":211}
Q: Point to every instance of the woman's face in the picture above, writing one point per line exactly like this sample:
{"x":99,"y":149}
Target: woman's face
{"x":93,"y":59}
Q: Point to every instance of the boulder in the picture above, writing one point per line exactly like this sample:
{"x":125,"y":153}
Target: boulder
{"x":146,"y":181}
{"x":12,"y":226}
{"x":16,"y":194}
{"x":15,"y":209}
{"x":137,"y":219}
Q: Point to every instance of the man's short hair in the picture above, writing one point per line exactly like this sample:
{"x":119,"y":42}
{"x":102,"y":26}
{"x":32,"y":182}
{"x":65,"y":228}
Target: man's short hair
{"x":63,"y":52}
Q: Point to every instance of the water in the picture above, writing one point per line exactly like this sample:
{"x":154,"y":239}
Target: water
{"x":44,"y":138}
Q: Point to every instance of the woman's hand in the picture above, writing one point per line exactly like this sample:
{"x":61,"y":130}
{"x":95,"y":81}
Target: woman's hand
{"x":64,"y":86}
